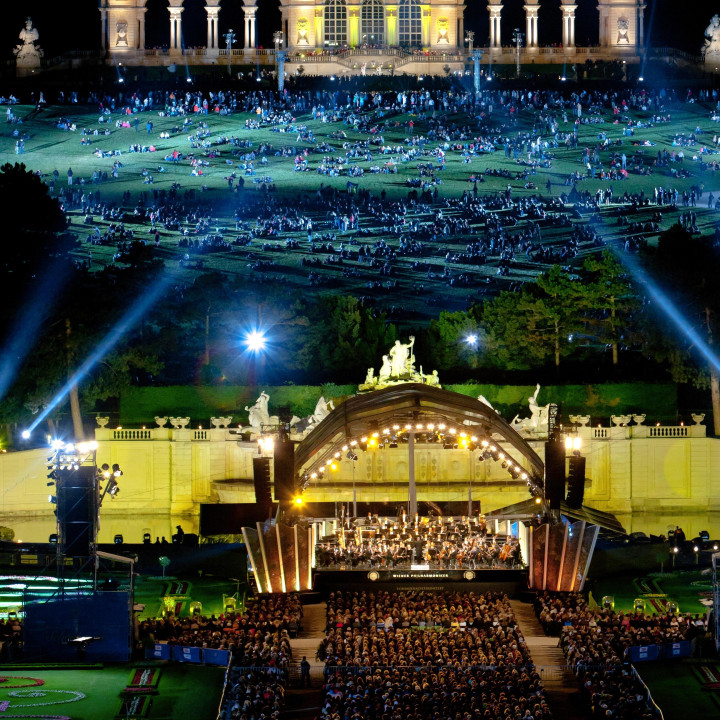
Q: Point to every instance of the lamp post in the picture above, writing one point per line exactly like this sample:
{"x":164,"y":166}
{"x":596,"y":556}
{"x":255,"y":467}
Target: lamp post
{"x":518,"y":38}
{"x":229,"y":42}
{"x":279,"y":59}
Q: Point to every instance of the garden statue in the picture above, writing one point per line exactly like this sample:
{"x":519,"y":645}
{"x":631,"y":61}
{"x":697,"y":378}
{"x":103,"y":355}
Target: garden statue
{"x":537,"y":423}
{"x":28,"y":54}
{"x":258,"y":414}
{"x":712,"y":37}
{"x":623,"y":26}
{"x":401,"y":358}
{"x":322,"y":410}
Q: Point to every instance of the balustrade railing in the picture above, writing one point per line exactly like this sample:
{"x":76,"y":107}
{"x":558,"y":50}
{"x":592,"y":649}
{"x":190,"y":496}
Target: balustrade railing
{"x":227,"y":434}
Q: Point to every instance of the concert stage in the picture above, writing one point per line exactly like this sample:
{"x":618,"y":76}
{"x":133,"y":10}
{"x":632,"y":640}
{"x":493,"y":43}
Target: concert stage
{"x":507,"y":581}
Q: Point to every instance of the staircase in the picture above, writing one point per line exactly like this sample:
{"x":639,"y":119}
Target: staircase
{"x":561,"y":686}
{"x":305,"y":703}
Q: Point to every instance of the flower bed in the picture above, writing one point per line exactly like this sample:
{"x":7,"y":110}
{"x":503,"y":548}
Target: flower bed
{"x":144,"y":678}
{"x":34,"y":682}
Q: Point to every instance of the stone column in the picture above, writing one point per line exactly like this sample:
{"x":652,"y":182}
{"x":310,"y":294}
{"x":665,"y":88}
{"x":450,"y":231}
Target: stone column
{"x":175,"y":10}
{"x":569,"y":25}
{"x":495,"y":36}
{"x":249,"y":10}
{"x":531,"y":24}
{"x":141,"y":29}
{"x":641,"y":26}
{"x":103,"y":28}
{"x":213,"y":41}
{"x":602,"y":30}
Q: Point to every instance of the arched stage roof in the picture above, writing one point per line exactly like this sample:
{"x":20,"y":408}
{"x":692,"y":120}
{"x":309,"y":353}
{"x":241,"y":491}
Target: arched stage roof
{"x":410,"y":402}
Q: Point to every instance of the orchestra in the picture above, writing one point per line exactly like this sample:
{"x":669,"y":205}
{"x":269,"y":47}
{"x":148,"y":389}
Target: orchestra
{"x":451,"y":543}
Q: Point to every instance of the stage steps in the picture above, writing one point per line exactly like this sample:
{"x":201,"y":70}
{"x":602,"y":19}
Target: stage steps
{"x":305,"y":703}
{"x":561,"y":686}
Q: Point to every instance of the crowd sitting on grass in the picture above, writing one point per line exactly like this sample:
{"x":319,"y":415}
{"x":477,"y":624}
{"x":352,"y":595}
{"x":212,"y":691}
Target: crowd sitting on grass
{"x":498,"y":228}
{"x":429,"y":655}
{"x":596,"y":643}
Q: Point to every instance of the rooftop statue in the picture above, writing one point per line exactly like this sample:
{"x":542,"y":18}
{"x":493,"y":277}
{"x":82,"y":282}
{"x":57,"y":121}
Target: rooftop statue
{"x":28,"y":54}
{"x":712,"y":37}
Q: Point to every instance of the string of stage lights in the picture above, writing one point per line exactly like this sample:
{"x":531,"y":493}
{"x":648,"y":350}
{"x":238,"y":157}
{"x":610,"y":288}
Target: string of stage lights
{"x":126,"y":322}
{"x":452,"y":438}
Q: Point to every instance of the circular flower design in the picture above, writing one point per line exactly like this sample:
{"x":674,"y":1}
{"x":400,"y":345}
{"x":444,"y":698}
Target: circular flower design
{"x":34,"y":682}
{"x":76,"y":695}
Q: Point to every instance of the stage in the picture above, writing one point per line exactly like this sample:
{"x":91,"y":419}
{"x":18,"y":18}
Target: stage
{"x":508,"y":581}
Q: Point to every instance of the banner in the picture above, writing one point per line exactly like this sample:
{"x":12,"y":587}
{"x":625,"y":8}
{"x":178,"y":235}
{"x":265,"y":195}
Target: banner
{"x":215,"y":657}
{"x":186,"y":654}
{"x":676,"y":650}
{"x":644,"y":652}
{"x":159,"y":651}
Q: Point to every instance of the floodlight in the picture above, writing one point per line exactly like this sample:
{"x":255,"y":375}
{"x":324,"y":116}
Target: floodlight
{"x":25,"y":434}
{"x":255,"y":341}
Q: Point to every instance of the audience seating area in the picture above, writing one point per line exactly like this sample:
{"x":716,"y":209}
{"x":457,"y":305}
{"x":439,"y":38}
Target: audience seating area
{"x":468,"y":659}
{"x":259,"y":641}
{"x":596,"y":643}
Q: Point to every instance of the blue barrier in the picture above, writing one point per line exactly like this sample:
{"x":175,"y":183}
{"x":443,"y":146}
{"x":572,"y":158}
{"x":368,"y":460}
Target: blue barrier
{"x":159,"y":651}
{"x":644,"y":652}
{"x":215,"y":657}
{"x":186,"y":654}
{"x":676,"y":650}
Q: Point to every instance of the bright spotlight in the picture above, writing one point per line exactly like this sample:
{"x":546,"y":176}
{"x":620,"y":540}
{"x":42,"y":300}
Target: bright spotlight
{"x":56,"y":445}
{"x":641,"y":78}
{"x":255,"y":341}
{"x":189,"y":79}
{"x":25,"y":434}
{"x":298,"y":500}
{"x":471,"y":340}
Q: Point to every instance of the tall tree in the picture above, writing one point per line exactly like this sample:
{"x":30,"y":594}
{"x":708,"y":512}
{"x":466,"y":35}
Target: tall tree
{"x":536,"y":324}
{"x":609,"y":301}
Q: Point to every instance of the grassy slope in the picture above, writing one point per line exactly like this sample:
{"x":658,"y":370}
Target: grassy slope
{"x":49,"y":149}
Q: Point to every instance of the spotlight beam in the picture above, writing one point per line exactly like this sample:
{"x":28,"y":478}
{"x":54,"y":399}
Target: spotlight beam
{"x":671,"y":311}
{"x":126,"y":322}
{"x":25,"y":328}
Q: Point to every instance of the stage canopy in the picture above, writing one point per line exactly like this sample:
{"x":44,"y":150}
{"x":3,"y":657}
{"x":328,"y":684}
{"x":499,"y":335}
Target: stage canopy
{"x":413,"y":406}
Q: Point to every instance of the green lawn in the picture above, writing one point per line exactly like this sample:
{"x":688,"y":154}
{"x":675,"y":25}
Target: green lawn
{"x":677,"y":691}
{"x":48,"y":149}
{"x":184,"y":692}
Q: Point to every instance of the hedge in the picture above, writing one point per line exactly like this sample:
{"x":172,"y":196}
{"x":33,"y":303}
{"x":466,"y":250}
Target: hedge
{"x":138,"y":406}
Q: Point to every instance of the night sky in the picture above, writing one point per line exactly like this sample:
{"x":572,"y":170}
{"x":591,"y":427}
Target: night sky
{"x":75,"y":24}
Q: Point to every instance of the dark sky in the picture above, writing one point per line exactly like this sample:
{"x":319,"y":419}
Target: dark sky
{"x":75,"y":24}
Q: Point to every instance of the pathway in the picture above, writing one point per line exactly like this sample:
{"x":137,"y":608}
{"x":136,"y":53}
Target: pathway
{"x":305,"y":703}
{"x":561,"y":686}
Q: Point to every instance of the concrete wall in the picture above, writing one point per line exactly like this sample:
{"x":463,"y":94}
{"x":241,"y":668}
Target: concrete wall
{"x":650,"y":478}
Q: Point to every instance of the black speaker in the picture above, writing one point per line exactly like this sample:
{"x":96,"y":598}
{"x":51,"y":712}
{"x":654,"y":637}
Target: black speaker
{"x":576,"y":482}
{"x":284,"y":484}
{"x":554,"y":473}
{"x":76,"y":510}
{"x":261,"y":481}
